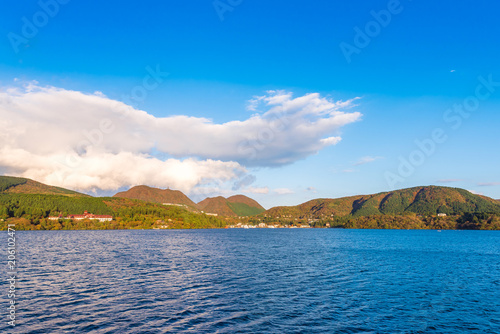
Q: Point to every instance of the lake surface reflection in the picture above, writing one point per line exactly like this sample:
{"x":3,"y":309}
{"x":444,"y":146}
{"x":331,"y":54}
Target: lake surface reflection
{"x":257,"y":281}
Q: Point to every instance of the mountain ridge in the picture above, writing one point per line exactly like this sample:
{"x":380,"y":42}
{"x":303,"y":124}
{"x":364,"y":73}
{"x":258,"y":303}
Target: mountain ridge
{"x":21,"y":185}
{"x":422,"y":200}
{"x":156,"y":195}
{"x":233,"y":206}
{"x":28,"y":204}
{"x":419,"y":200}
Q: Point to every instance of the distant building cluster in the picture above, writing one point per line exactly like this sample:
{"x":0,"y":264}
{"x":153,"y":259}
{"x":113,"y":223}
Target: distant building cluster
{"x":86,"y":215}
{"x":175,"y":204}
{"x":210,"y":214}
{"x":264,"y":225}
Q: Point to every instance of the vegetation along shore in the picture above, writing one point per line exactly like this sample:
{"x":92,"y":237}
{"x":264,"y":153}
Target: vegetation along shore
{"x":31,"y":205}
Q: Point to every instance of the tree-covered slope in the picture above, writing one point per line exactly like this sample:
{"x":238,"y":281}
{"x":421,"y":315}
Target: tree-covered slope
{"x":34,"y":209}
{"x":19,"y":185}
{"x":420,"y":200}
{"x":7,"y":182}
{"x":244,"y":210}
{"x":244,"y":206}
{"x":234,"y":206}
{"x":216,"y":205}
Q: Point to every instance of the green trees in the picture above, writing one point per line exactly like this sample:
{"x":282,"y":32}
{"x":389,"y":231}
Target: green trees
{"x":4,"y":212}
{"x":8,"y":181}
{"x":466,"y":221}
{"x":242,"y":209}
{"x":34,"y":209}
{"x":468,"y":211}
{"x":40,"y":206}
{"x":478,"y":221}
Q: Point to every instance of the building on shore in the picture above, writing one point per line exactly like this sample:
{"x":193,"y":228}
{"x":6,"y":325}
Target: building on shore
{"x":86,"y":215}
{"x":175,"y":204}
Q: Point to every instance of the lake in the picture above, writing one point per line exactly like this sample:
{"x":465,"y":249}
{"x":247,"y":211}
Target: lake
{"x":257,"y":281}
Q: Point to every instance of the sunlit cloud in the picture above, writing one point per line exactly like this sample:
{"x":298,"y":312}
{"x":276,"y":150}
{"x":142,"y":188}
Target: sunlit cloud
{"x":475,"y":192}
{"x":256,"y":190}
{"x":367,"y":160}
{"x":88,"y":141}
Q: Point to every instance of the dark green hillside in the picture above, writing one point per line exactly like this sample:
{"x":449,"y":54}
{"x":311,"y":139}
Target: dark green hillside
{"x":35,"y":206}
{"x":234,"y":206}
{"x":433,"y":200}
{"x":429,"y":200}
{"x":132,"y":213}
{"x":243,"y":210}
{"x":30,"y":212}
{"x":19,"y":185}
{"x":397,"y":201}
{"x":27,"y":204}
{"x":9,"y":181}
{"x":366,"y":206}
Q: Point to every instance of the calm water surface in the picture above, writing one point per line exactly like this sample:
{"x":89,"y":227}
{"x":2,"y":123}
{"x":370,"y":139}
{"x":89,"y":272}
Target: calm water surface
{"x":257,"y":281}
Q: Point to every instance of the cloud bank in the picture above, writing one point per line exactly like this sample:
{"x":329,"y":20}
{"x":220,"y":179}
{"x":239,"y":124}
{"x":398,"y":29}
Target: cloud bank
{"x":88,"y":141}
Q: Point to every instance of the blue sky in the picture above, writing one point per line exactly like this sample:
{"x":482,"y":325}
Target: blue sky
{"x":424,"y":58}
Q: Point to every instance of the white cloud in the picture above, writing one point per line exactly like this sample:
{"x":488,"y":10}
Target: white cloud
{"x":87,"y":141}
{"x":367,"y":160}
{"x":255,"y":190}
{"x":475,"y":192}
{"x":312,"y":189}
{"x":449,"y":180}
{"x":330,"y":141}
{"x":108,"y":171}
{"x":489,"y":184}
{"x":283,"y":191}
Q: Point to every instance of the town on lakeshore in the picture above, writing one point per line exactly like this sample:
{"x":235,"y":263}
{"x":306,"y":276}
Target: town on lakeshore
{"x":264,"y":225}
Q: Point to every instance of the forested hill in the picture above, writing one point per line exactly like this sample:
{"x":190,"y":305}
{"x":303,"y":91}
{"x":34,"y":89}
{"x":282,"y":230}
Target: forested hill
{"x":234,"y":206}
{"x":430,"y":200}
{"x":27,"y":204}
{"x":19,"y":185}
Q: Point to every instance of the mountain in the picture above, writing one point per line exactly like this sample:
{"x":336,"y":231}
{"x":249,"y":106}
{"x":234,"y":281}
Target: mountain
{"x":419,"y":200}
{"x":29,"y":203}
{"x":234,"y":206}
{"x":20,"y":185}
{"x":218,"y":205}
{"x":238,"y":205}
{"x":156,"y":195}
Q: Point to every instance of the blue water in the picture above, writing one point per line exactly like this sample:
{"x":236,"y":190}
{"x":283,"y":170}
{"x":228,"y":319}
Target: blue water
{"x":257,"y":281}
